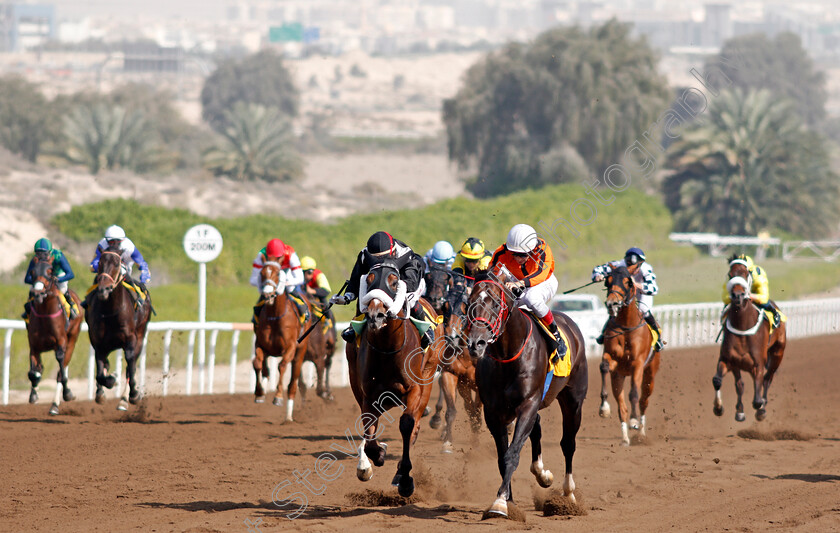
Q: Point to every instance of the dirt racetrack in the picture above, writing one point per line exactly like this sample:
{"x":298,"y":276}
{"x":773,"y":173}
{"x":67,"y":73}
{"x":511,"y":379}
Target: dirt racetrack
{"x":207,"y":464}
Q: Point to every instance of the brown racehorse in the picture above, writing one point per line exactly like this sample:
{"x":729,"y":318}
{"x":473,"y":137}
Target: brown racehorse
{"x":114,"y":323}
{"x":389,"y":369}
{"x":277,"y":330}
{"x":747,"y":345}
{"x":320,"y":351}
{"x":511,"y":371}
{"x":48,"y":329}
{"x":457,"y":369}
{"x":627,"y":352}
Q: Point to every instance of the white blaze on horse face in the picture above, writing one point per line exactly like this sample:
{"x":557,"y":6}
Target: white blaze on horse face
{"x":268,"y":289}
{"x":38,"y":286}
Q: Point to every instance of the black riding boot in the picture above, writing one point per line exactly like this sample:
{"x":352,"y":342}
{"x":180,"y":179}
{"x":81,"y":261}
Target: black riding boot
{"x":26,"y":307}
{"x":349,"y":334}
{"x":429,"y":337}
{"x":559,"y":344}
{"x":660,"y":344}
{"x":600,"y":338}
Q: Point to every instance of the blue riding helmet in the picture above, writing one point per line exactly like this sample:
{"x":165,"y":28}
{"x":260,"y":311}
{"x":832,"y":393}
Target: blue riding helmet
{"x":442,"y":252}
{"x":634,"y":255}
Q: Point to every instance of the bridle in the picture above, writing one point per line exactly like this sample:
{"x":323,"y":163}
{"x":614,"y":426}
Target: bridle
{"x":627,"y":298}
{"x":497,"y":325}
{"x":269,"y":282}
{"x":120,"y":275}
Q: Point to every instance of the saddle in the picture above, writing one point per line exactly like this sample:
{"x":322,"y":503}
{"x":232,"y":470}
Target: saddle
{"x":556,"y":366}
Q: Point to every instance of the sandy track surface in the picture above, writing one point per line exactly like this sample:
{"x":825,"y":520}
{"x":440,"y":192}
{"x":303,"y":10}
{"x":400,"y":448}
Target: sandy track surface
{"x":206,"y":464}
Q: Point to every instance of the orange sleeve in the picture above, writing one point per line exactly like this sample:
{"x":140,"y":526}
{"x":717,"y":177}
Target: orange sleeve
{"x":543,"y":265}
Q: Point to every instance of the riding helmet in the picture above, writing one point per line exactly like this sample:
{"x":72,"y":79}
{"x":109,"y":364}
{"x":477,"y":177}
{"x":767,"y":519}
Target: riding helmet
{"x":275,"y":248}
{"x":472,"y":248}
{"x":442,"y":252}
{"x":522,"y":238}
{"x":114,"y":233}
{"x":380,"y":242}
{"x":634,"y":255}
{"x":307,"y":263}
{"x":43,"y":244}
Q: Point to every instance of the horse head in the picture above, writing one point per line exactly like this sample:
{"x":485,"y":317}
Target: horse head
{"x":438,"y":284}
{"x":455,"y":314}
{"x":110,"y":273}
{"x":383,"y":294}
{"x":740,"y":281}
{"x":42,"y":277}
{"x":621,"y":291}
{"x":272,"y":281}
{"x":488,"y":310}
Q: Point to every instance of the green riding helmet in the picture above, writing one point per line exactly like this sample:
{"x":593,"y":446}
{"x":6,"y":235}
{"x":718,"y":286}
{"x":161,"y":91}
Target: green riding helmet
{"x":43,"y":244}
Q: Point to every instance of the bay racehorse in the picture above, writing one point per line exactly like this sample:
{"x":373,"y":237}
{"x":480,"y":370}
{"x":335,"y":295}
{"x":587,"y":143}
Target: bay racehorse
{"x":457,"y":368}
{"x":388,"y":368}
{"x":627,"y":352}
{"x":511,"y":370}
{"x":320,"y":351}
{"x":114,"y":322}
{"x":50,"y":329}
{"x":747,"y":345}
{"x":277,"y":329}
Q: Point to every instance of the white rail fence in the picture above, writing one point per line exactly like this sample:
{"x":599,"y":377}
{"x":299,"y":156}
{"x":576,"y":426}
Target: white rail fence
{"x":682,"y":324}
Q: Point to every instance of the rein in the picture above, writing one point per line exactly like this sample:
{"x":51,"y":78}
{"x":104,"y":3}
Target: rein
{"x":119,"y":277}
{"x":497,"y":325}
{"x":524,"y":343}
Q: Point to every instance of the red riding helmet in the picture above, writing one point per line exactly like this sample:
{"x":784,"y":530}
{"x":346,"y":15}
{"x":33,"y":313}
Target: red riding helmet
{"x":275,"y":248}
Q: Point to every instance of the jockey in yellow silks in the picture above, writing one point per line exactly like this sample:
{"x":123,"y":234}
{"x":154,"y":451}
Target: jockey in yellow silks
{"x":759,"y":289}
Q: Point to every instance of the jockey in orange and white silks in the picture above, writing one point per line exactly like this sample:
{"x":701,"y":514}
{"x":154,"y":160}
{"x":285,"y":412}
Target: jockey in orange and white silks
{"x":646,"y":287}
{"x":291,"y":274}
{"x":759,"y":287}
{"x":530,"y":260}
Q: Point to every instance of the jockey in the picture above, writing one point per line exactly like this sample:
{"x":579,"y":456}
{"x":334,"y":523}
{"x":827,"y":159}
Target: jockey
{"x":44,"y":251}
{"x":277,"y":252}
{"x":645,"y":280}
{"x":316,"y":283}
{"x":381,"y":247}
{"x":471,"y":260}
{"x":530,"y":261}
{"x":115,"y":236}
{"x":760,"y":289}
{"x":441,"y":255}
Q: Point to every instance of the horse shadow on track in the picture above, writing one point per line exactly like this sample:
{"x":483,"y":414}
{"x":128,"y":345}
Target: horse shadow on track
{"x":810,"y":478}
{"x":210,"y":507}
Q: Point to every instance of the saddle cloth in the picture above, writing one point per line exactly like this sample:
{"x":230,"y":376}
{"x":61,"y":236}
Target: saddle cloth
{"x":561,"y":367}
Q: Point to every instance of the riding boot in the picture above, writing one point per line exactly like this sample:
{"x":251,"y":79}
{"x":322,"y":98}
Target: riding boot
{"x":600,"y":338}
{"x":26,"y":308}
{"x":349,"y":334}
{"x":418,"y":314}
{"x":300,"y":304}
{"x":73,"y":311}
{"x":777,"y":317}
{"x":660,"y":344}
{"x":559,"y":344}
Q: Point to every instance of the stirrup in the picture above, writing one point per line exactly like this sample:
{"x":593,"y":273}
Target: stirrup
{"x":600,"y":339}
{"x":427,"y":339}
{"x":349,"y":334}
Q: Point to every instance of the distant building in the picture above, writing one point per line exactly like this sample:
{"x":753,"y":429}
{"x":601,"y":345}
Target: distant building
{"x":24,"y":26}
{"x":149,"y":57}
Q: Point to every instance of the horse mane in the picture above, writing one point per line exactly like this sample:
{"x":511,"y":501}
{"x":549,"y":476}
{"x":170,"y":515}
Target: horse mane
{"x":732,"y":258}
{"x":482,"y":275}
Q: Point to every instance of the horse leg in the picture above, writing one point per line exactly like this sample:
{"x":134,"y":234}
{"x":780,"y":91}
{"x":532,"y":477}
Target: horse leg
{"x":758,"y":373}
{"x":544,"y":476}
{"x":571,"y":404}
{"x":739,"y":390}
{"x":327,"y":367}
{"x":449,"y":384}
{"x":103,"y":376}
{"x":634,"y":393}
{"x":135,"y":394}
{"x":71,"y":346}
{"x":416,"y":401}
{"x":60,"y":379}
{"x":436,"y":419}
{"x":258,"y":362}
{"x":297,"y":364}
{"x":471,"y":405}
{"x":35,"y":370}
{"x":500,"y":438}
{"x":607,"y":365}
{"x":774,"y":359}
{"x":647,"y":391}
{"x":618,"y":393}
{"x":526,"y":415}
{"x":717,"y":381}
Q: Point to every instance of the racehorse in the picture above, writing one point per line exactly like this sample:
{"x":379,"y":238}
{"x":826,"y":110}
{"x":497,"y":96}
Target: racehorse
{"x":49,"y":329}
{"x":747,"y":345}
{"x":511,"y":370}
{"x":457,"y":369}
{"x":277,"y":330}
{"x":114,"y":323}
{"x":320,"y":351}
{"x":627,"y":352}
{"x":388,"y":368}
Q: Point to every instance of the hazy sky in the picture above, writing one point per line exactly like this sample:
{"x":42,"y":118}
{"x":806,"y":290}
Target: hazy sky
{"x":199,"y":9}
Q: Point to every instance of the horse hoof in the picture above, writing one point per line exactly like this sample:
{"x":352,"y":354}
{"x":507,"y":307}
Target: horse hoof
{"x":109,"y":382}
{"x":605,"y":410}
{"x":100,"y":397}
{"x":33,"y":396}
{"x":634,"y":423}
{"x":499,"y":507}
{"x":259,"y":399}
{"x":406,"y":486}
{"x":625,"y":442}
{"x":135,"y":397}
{"x":396,"y":481}
{"x":447,"y":447}
{"x":740,"y":417}
{"x":277,"y":401}
{"x":434,"y":422}
{"x":54,"y":409}
{"x":364,"y":474}
{"x":761,"y":414}
{"x":68,"y":395}
{"x":123,"y":405}
{"x":427,"y":411}
{"x":544,"y":478}
{"x":718,"y":410}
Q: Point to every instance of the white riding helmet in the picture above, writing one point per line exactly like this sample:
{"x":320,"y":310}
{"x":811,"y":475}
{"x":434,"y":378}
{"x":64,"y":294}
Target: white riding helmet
{"x":442,"y":252}
{"x":522,"y":238}
{"x":114,"y":233}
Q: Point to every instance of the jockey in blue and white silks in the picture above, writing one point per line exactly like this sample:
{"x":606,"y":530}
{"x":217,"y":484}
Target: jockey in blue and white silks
{"x":645,"y":280}
{"x":129,"y":256}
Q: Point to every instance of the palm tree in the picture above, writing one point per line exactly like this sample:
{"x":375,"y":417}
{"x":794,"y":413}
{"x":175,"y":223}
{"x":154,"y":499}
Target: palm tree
{"x":751,"y":165}
{"x":257,"y":145}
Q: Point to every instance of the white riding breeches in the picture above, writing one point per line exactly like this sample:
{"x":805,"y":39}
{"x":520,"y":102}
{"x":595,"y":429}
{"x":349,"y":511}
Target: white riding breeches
{"x":645,"y":303}
{"x":63,"y":287}
{"x":538,"y":297}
